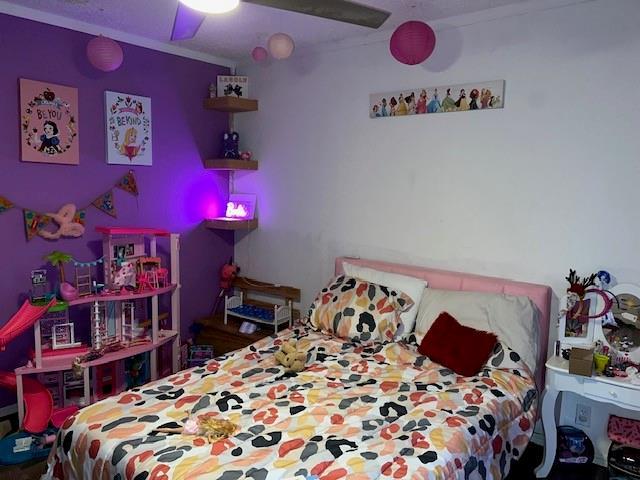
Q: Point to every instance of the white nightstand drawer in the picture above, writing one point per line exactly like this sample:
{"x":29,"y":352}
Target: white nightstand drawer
{"x":612,"y":393}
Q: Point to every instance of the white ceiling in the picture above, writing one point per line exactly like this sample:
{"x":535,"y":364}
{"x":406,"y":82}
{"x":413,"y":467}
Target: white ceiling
{"x":234,"y":35}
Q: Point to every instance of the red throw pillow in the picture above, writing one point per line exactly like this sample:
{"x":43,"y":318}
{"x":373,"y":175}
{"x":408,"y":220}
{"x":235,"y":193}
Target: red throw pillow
{"x":464,"y":350}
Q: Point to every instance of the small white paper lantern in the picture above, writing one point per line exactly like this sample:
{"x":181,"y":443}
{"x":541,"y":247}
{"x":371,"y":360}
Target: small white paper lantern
{"x":281,"y":46}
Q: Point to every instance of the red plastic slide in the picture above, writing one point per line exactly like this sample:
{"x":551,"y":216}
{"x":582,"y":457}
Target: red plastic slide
{"x":37,"y":399}
{"x":23,"y":319}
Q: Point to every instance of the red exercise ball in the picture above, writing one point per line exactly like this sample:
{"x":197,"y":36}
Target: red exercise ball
{"x":412,"y":42}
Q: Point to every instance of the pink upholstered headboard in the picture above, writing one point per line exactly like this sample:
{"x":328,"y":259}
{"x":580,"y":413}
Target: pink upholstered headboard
{"x":540,"y":295}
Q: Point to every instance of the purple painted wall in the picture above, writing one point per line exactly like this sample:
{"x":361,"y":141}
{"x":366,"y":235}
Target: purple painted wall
{"x":176,"y":193}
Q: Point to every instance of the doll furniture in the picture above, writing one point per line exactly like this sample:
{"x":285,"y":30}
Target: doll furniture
{"x":115,"y":316}
{"x":275,"y":315}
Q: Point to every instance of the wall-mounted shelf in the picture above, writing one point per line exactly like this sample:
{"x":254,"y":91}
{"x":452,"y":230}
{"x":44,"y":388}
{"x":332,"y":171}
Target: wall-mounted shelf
{"x":223,"y":223}
{"x":231,"y":104}
{"x":230,"y":164}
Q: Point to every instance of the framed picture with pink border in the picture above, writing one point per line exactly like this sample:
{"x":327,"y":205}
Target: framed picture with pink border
{"x":49,"y":123}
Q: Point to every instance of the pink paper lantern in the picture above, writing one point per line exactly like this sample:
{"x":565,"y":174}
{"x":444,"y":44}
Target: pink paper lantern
{"x":259,"y":54}
{"x":412,"y":42}
{"x":281,"y":46}
{"x":104,"y":54}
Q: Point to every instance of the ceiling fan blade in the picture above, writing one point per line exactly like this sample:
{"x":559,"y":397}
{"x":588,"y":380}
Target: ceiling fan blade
{"x":186,"y":23}
{"x":340,"y":10}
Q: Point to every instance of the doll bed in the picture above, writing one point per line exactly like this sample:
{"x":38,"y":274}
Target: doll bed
{"x":356,"y":412}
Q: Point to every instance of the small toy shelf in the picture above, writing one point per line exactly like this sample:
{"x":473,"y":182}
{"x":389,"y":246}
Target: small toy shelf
{"x":231,"y":104}
{"x":122,"y":297}
{"x":224,"y":223}
{"x":230,"y":164}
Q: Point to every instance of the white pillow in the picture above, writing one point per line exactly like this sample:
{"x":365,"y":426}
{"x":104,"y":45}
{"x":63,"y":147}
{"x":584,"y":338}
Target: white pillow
{"x":411,"y":286}
{"x":512,"y":318}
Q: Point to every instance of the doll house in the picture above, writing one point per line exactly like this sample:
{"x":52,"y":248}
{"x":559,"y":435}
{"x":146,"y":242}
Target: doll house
{"x":120,"y":321}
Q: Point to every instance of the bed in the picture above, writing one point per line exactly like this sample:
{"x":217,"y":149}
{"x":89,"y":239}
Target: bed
{"x":359,"y":412}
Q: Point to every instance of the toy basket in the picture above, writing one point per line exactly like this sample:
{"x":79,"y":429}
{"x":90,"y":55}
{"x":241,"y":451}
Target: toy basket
{"x":625,"y":431}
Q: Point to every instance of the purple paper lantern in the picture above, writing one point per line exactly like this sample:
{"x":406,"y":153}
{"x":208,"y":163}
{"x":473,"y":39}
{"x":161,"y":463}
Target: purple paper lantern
{"x":104,"y":54}
{"x":259,"y":54}
{"x":412,"y":42}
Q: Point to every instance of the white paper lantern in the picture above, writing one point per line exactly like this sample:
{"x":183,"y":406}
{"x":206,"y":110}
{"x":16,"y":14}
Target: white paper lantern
{"x":281,"y":46}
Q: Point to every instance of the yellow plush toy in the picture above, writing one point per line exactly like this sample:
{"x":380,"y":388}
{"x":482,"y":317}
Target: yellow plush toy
{"x":292,"y":356}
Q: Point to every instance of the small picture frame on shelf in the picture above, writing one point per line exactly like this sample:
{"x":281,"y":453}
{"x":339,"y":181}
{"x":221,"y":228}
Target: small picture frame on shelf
{"x":63,"y":336}
{"x":233,"y":86}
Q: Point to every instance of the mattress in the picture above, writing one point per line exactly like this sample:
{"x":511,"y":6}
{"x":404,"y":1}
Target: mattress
{"x":382,"y":411}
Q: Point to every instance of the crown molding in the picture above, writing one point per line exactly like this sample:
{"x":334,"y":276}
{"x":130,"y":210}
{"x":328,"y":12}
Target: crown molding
{"x":85,"y":27}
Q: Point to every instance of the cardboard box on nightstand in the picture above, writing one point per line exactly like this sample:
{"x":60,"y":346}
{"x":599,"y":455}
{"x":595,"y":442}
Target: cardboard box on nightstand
{"x":581,"y":361}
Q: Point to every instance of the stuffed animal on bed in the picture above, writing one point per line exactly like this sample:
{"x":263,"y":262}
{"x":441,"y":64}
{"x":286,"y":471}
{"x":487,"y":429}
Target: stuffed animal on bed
{"x":292,"y":356}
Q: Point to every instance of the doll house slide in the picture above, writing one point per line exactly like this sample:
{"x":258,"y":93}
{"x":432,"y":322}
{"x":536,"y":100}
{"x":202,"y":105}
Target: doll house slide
{"x":83,"y":346}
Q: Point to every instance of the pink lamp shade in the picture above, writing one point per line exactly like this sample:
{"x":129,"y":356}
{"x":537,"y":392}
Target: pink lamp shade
{"x":412,"y":42}
{"x":259,"y":54}
{"x":281,"y":46}
{"x":104,"y":54}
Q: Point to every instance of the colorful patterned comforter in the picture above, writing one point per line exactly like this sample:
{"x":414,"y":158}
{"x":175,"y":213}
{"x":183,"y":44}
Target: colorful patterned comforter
{"x":356,"y":412}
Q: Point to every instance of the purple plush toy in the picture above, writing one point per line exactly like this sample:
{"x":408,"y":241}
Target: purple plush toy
{"x":230,"y":145}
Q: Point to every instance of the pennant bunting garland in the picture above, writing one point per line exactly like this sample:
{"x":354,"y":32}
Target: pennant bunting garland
{"x":5,"y":204}
{"x":128,"y":183}
{"x":105,"y":203}
{"x":34,"y":222}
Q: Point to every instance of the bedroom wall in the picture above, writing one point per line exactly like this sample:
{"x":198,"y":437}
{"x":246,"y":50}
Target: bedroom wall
{"x":547,"y":183}
{"x":176,"y":193}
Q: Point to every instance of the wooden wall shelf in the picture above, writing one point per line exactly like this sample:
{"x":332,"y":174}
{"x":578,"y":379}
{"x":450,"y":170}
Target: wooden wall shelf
{"x":230,"y":164}
{"x":223,"y":223}
{"x":231,"y":104}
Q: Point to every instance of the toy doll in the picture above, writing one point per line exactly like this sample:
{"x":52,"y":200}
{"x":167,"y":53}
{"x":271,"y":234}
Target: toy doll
{"x":384,"y":109}
{"x":485,"y":98}
{"x":411,"y":104}
{"x":421,"y":104}
{"x":473,"y":95}
{"x":393,"y":104}
{"x":461,"y":103}
{"x":434,"y":105}
{"x":448,"y":105}
{"x":402,"y":106}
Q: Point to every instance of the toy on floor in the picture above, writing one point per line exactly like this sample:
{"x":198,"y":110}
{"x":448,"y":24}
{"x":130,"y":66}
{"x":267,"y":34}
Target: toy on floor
{"x":39,"y":404}
{"x":292,"y":356}
{"x":212,"y":428}
{"x":22,"y":447}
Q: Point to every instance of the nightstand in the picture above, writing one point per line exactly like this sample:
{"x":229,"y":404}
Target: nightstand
{"x":227,"y":338}
{"x":615,"y":391}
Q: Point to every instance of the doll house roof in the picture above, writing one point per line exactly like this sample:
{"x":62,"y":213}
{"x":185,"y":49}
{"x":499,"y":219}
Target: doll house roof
{"x":157,"y":232}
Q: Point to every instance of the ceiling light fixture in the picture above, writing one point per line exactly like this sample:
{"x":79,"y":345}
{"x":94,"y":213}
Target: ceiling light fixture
{"x":212,"y":6}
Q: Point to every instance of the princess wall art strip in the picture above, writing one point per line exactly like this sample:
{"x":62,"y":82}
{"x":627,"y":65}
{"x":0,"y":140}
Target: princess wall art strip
{"x":447,"y":98}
